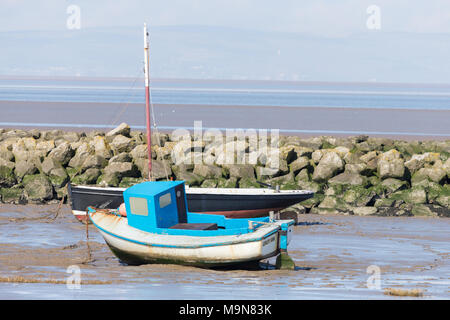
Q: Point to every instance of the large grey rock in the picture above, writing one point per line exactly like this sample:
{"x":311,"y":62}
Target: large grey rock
{"x":190,"y":178}
{"x":208,"y":171}
{"x":93,"y":161}
{"x":299,"y":164}
{"x":392,"y":185}
{"x":24,"y":168}
{"x":348,"y":178}
{"x":391,"y":168}
{"x":364,"y":211}
{"x":121,"y":143}
{"x":417,"y":161}
{"x":122,"y":129}
{"x":330,"y":164}
{"x":241,"y":171}
{"x":109,"y":180}
{"x":82,"y":151}
{"x":7,"y":178}
{"x":436,"y":173}
{"x":62,"y":153}
{"x":121,"y":157}
{"x":160,"y":168}
{"x":101,"y":147}
{"x":90,"y":176}
{"x":140,"y":151}
{"x":38,"y":188}
{"x":123,"y":169}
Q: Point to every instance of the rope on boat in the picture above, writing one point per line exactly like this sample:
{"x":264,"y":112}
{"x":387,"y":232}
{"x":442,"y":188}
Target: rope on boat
{"x":121,"y":112}
{"x":88,"y":248}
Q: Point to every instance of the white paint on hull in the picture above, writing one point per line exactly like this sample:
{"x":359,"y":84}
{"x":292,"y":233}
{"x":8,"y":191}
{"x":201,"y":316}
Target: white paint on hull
{"x":200,"y":250}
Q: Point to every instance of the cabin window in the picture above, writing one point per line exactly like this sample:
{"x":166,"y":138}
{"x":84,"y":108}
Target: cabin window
{"x":165,"y":200}
{"x":139,"y":206}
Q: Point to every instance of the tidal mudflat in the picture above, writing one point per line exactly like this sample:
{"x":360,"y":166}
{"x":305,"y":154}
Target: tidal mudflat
{"x":337,"y":257}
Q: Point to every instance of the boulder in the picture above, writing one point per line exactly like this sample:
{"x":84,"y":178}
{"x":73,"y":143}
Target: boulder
{"x":299,"y":164}
{"x":50,"y":164}
{"x":38,"y":188}
{"x":248,"y":183}
{"x":241,"y":171}
{"x":58,"y":177}
{"x":346,"y":178}
{"x":303,"y":175}
{"x":122,"y":169}
{"x":101,"y":147}
{"x":6,"y":154}
{"x":127,"y":182}
{"x":415,"y":195}
{"x":24,"y":167}
{"x":62,"y":153}
{"x":417,"y":161}
{"x":82,"y":151}
{"x":109,"y":179}
{"x":140,"y":152}
{"x":191,"y":179}
{"x":122,"y":129}
{"x":329,"y":165}
{"x":121,"y":143}
{"x":436,"y":173}
{"x":423,"y":210}
{"x":161,"y":169}
{"x":7,"y":177}
{"x":391,"y":168}
{"x":13,"y":195}
{"x":43,"y":147}
{"x":364,"y":211}
{"x":392,"y":185}
{"x":121,"y":157}
{"x":90,"y":176}
{"x":209,"y":183}
{"x":208,"y":171}
{"x":227,"y":183}
{"x":93,"y":161}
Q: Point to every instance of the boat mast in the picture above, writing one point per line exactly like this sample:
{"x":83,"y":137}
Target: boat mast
{"x":147,"y":101}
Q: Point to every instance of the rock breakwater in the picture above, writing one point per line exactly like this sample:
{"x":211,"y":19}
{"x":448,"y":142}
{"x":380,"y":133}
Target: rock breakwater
{"x":354,"y":176}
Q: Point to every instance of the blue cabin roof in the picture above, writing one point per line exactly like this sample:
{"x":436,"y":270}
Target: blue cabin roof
{"x":151,"y":188}
{"x":156,"y":204}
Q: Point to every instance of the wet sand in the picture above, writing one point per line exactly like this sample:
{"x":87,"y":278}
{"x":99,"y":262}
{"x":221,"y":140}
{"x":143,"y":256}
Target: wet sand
{"x":406,"y":124}
{"x":332,"y":254}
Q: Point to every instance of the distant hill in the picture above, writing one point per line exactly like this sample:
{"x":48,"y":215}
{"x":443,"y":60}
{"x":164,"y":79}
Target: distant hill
{"x":228,"y":53}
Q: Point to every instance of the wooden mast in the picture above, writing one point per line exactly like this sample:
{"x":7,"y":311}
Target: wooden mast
{"x":147,"y":101}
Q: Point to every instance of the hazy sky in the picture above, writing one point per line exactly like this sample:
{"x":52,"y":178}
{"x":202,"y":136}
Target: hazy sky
{"x":325,"y":40}
{"x":318,"y":17}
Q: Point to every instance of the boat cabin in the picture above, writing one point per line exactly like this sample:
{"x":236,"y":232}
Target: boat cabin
{"x":159,"y":205}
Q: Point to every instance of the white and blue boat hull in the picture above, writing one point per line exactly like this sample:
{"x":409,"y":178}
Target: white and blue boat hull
{"x":134,"y":246}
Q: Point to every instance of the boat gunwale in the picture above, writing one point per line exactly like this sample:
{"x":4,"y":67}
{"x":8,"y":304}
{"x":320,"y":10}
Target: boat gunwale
{"x":209,"y":191}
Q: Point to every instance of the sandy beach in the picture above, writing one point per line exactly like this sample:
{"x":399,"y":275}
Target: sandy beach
{"x":332,"y":255}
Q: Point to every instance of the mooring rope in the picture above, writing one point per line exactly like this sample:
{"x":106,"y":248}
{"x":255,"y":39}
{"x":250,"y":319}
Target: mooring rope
{"x":50,"y":216}
{"x":88,"y":248}
{"x":128,"y":97}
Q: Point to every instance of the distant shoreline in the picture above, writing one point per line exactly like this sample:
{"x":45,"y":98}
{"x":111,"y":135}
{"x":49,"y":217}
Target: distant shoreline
{"x":198,"y":80}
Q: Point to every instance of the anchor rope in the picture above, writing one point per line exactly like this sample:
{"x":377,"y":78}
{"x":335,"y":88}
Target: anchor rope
{"x":50,"y":216}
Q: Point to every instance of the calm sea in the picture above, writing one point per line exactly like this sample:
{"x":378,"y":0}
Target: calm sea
{"x":246,"y":93}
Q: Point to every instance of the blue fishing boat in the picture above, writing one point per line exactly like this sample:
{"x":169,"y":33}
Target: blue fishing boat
{"x":158,"y":228}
